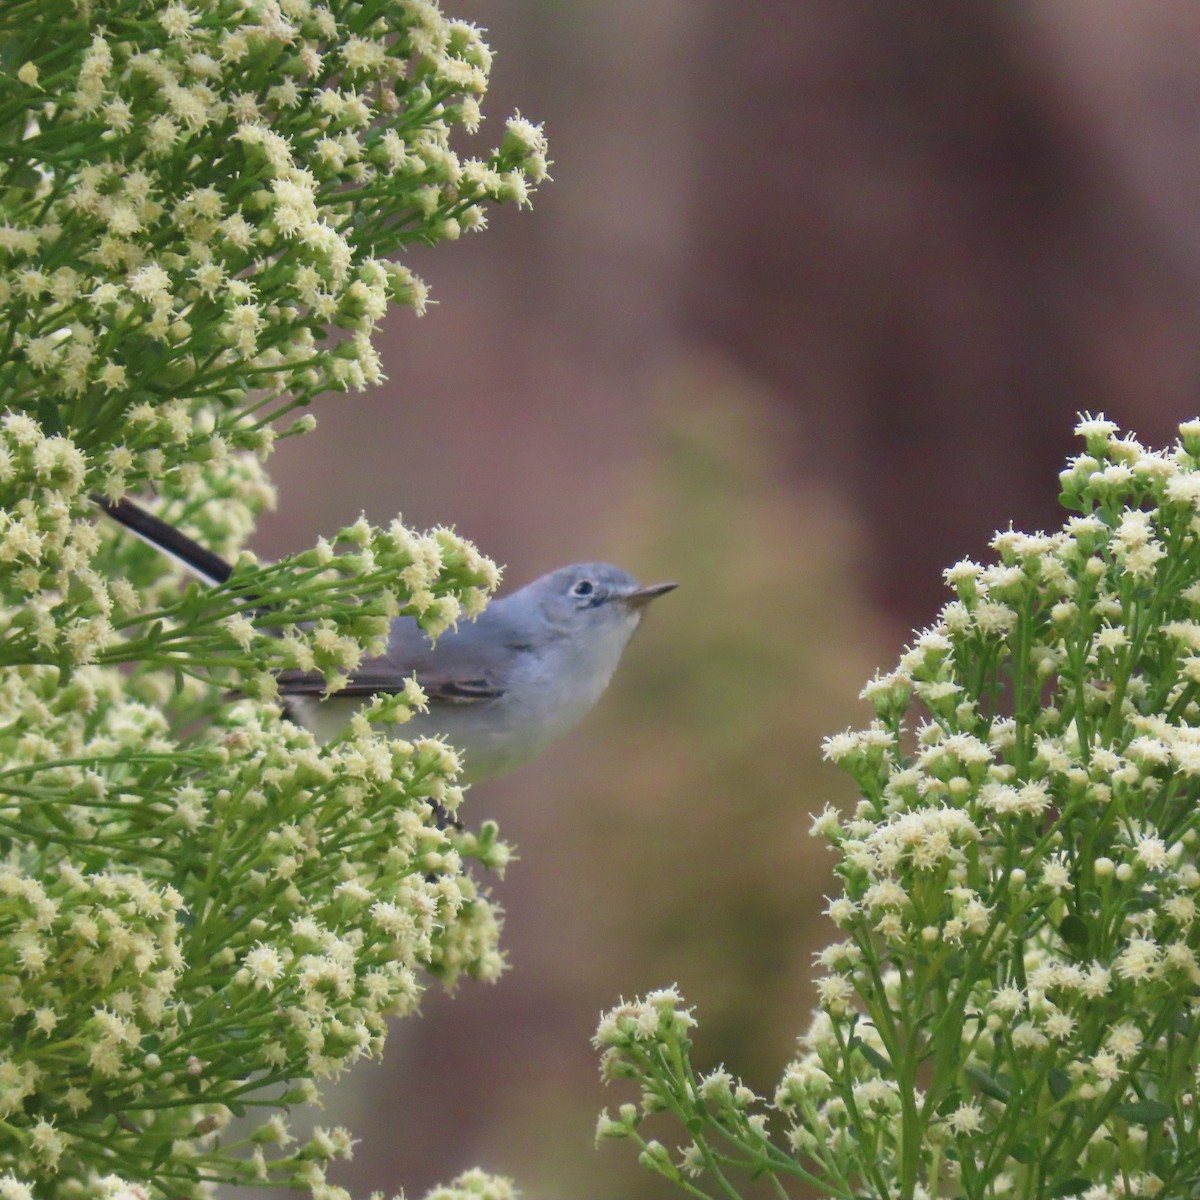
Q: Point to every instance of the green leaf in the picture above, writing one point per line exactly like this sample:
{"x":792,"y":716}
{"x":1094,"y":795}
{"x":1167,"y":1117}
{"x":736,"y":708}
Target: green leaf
{"x":873,"y":1057}
{"x":987,"y":1084}
{"x":1143,"y":1112}
{"x":57,"y":818}
{"x":1059,"y":1081}
{"x":1074,"y":931}
{"x":954,"y":966}
{"x":23,"y":178}
{"x":1069,"y":1187}
{"x":47,"y":413}
{"x":1023,"y":1154}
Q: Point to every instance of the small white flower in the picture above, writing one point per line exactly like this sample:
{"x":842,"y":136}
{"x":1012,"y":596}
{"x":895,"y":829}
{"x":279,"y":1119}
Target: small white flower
{"x":1124,"y":1041}
{"x":966,"y":1119}
{"x":1097,"y":426}
{"x":1139,"y":959}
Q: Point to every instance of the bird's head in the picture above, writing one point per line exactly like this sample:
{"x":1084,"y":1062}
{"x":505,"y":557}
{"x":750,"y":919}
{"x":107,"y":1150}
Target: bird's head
{"x":594,"y":601}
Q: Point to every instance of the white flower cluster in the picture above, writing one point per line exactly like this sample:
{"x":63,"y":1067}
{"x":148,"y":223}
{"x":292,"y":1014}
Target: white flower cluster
{"x":1020,"y":877}
{"x":1013,"y":1007}
{"x":659,"y":1014}
{"x":475,"y":1185}
{"x":647,"y":1040}
{"x":66,"y":582}
{"x":62,"y":604}
{"x":201,"y":909}
{"x":184,"y":923}
{"x":202,"y":190}
{"x":281,"y":901}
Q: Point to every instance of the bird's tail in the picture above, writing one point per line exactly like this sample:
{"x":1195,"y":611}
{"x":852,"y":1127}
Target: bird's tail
{"x":156,"y":532}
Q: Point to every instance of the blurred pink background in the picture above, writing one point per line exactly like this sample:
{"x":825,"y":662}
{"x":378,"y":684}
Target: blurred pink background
{"x":806,"y":315}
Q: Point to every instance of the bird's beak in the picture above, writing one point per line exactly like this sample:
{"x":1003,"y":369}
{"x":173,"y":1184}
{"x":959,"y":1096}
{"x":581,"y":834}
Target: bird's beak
{"x":642,"y":596}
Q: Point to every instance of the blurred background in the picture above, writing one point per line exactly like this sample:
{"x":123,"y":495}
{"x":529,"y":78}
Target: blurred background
{"x":805,"y":316}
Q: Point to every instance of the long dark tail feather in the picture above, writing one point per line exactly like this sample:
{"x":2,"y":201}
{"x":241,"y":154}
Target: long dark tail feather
{"x":165,"y":537}
{"x":156,"y":532}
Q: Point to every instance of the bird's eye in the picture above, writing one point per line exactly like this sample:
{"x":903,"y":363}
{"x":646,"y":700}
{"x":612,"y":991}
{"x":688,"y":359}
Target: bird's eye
{"x":585,"y":587}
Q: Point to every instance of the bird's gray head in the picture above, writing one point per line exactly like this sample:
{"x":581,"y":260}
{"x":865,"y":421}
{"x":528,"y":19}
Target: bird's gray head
{"x":595,"y":600}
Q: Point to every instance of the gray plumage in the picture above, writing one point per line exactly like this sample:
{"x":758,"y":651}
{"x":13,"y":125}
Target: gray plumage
{"x":504,"y":685}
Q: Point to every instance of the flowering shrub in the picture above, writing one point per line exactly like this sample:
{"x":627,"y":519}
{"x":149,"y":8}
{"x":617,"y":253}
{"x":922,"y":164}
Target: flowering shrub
{"x":1011,"y":1010}
{"x":194,"y":195}
{"x":203,"y":912}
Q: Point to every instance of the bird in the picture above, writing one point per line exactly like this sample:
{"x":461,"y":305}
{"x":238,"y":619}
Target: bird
{"x":499,"y":688}
{"x":502,"y":687}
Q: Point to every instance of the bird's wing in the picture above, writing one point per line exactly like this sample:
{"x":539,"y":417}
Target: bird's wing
{"x":439,"y":690}
{"x":465,"y":668}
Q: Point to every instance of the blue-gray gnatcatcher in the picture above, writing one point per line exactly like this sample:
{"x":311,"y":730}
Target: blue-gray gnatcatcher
{"x":500,"y":687}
